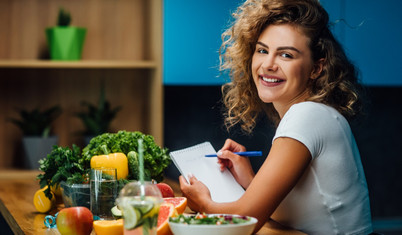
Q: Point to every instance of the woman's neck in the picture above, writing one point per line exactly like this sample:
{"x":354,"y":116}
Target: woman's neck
{"x":283,"y":107}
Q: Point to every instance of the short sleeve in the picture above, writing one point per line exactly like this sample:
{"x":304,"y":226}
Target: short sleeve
{"x":308,"y":123}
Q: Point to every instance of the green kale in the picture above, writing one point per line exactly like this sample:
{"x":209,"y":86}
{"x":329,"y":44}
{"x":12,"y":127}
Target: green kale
{"x":156,"y":158}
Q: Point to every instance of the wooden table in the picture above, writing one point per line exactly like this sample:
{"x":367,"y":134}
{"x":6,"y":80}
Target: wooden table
{"x":17,"y":188}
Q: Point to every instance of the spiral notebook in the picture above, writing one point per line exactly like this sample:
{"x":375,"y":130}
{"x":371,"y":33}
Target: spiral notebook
{"x":222,"y":185}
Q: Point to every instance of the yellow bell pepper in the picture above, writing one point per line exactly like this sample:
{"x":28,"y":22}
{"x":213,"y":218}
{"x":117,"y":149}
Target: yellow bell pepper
{"x":112,"y":160}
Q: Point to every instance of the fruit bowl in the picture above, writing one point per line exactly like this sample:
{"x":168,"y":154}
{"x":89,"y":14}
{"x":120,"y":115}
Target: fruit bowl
{"x":244,"y":228}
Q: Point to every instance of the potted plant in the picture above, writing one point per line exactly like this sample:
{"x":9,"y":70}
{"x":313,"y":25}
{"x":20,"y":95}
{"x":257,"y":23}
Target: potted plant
{"x":97,"y":118}
{"x":65,"y":41}
{"x":36,"y":126}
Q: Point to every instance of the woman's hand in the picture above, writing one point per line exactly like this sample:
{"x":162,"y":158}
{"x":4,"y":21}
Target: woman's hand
{"x":239,"y":166}
{"x":197,"y":194}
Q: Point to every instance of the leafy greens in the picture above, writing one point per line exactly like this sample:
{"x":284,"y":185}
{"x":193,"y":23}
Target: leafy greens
{"x":72,"y":165}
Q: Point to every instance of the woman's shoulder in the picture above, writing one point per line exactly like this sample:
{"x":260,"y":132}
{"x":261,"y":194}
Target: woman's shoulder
{"x":313,"y":114}
{"x":310,"y":106}
{"x":313,"y":124}
{"x":313,"y":110}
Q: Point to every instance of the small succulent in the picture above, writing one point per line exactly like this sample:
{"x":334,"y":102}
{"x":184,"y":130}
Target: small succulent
{"x":64,"y":18}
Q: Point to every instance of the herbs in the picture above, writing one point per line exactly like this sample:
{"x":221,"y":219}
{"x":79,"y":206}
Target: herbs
{"x":62,"y":164}
{"x":203,"y":219}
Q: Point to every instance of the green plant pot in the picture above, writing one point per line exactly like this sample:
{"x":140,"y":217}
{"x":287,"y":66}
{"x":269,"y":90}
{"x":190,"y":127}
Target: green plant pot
{"x":65,"y":43}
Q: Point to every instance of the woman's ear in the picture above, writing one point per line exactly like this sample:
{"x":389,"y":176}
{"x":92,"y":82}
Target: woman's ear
{"x":317,"y":69}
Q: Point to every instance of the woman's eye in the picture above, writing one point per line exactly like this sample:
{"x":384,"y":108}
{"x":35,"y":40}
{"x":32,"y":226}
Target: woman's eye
{"x":286,"y":55}
{"x":262,"y":51}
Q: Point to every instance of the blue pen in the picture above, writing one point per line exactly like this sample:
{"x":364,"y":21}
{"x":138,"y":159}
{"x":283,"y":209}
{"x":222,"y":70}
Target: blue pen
{"x":244,"y":154}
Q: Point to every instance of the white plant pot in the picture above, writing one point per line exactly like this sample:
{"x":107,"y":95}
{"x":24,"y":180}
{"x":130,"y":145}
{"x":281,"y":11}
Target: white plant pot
{"x":36,"y":148}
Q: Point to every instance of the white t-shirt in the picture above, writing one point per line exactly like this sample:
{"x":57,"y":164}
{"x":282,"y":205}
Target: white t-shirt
{"x":332,"y":195}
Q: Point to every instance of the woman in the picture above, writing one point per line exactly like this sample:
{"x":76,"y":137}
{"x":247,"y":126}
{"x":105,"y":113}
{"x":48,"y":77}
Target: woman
{"x":284,"y":62}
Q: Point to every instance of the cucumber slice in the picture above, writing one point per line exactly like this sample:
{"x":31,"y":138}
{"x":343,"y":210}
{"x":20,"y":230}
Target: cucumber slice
{"x":131,"y":217}
{"x":116,"y":212}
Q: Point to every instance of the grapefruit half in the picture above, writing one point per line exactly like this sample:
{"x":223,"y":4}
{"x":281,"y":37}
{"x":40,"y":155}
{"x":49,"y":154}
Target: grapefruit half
{"x":180,"y":203}
{"x":166,"y":210}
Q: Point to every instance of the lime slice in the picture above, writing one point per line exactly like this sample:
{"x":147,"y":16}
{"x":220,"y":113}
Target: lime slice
{"x":131,"y":217}
{"x":145,"y":207}
{"x":116,"y":212}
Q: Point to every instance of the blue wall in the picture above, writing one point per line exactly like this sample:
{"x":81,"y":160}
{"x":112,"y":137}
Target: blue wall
{"x":372,"y":37}
{"x":192,"y":37}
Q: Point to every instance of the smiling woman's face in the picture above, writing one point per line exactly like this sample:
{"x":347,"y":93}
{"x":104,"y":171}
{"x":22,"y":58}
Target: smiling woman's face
{"x":282,"y":66}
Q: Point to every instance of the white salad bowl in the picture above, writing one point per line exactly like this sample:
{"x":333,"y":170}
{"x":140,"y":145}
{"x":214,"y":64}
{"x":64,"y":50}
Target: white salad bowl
{"x":246,"y":228}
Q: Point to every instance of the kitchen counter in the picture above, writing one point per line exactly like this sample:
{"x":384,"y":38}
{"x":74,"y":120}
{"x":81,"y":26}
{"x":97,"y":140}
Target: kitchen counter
{"x":17,"y":188}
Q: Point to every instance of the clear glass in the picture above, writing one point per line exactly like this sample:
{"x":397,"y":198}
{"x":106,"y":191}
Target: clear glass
{"x":103,"y":183}
{"x":76,"y":194}
{"x":140,"y":205}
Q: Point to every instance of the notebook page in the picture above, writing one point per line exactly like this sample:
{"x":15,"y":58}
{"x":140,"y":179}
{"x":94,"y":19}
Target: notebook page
{"x":222,"y":185}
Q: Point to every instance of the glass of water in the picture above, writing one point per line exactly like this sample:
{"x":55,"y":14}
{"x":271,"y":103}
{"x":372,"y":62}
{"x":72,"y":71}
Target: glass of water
{"x":104,"y":190}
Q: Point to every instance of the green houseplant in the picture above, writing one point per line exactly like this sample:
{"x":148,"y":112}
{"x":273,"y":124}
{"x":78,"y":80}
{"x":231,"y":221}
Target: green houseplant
{"x":97,"y":118}
{"x":65,"y":41}
{"x":36,"y":127}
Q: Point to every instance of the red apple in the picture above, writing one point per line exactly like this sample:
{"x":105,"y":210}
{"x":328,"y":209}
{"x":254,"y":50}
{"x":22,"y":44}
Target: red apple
{"x":75,"y":221}
{"x":165,"y":189}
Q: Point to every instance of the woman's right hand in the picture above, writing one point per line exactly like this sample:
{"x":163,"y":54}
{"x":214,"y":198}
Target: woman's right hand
{"x":239,"y":166}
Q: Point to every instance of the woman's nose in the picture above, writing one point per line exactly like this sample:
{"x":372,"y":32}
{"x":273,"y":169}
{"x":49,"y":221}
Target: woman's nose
{"x":269,"y":63}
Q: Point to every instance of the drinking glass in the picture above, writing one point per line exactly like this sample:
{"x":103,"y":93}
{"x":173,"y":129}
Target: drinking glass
{"x":103,"y":183}
{"x":140,"y":203}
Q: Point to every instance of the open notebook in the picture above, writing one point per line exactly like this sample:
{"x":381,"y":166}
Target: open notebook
{"x":222,"y":185}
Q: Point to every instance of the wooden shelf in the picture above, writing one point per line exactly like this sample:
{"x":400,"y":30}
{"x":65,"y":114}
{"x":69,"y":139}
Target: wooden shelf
{"x":82,"y":64}
{"x":122,"y":50}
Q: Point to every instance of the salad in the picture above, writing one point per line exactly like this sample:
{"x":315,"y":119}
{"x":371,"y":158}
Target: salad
{"x":203,"y":218}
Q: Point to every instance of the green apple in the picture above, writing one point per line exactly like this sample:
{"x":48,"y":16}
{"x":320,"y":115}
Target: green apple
{"x":75,"y":221}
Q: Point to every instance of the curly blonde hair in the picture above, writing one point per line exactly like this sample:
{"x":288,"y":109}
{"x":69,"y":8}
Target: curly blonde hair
{"x":337,"y":85}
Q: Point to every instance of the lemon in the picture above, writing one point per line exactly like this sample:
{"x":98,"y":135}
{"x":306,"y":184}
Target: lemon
{"x":149,"y":207}
{"x":154,"y":211}
{"x":41,"y":202}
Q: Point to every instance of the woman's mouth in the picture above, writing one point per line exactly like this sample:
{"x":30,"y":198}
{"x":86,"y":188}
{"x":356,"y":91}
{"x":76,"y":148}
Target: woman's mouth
{"x":271,"y":81}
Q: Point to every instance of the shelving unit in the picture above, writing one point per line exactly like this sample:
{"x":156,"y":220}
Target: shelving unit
{"x":123,"y":49}
{"x":82,"y":64}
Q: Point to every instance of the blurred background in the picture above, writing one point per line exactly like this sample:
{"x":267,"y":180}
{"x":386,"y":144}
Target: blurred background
{"x":162,"y":70}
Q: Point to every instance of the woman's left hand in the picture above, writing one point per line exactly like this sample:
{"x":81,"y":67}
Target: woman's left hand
{"x":239,"y":166}
{"x":197,"y":194}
